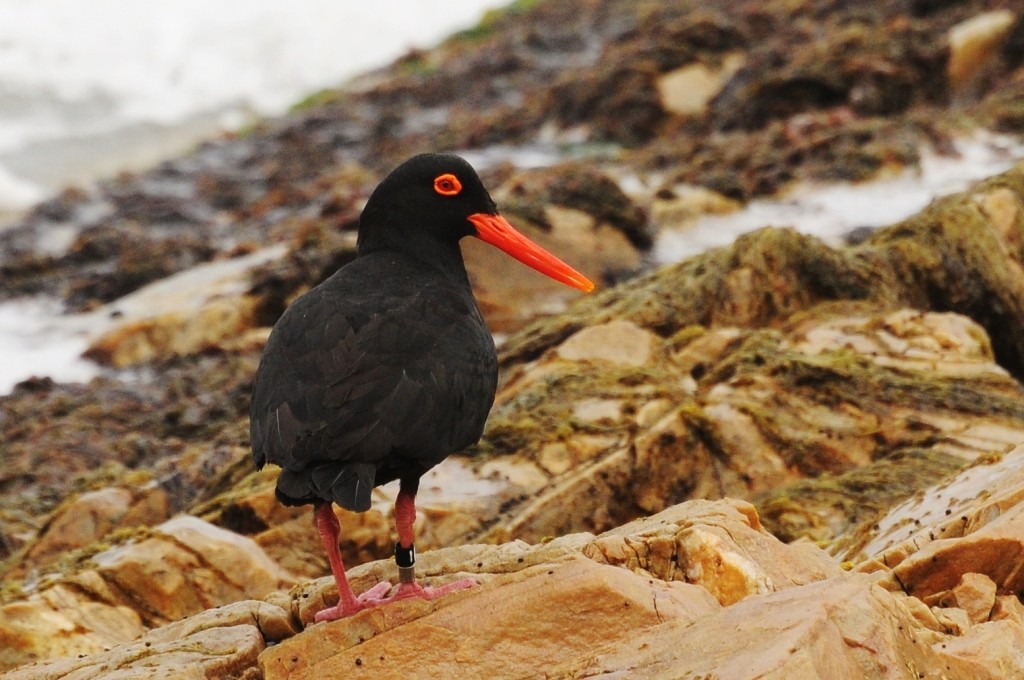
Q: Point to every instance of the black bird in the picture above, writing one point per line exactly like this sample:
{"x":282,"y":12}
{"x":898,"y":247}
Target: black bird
{"x":386,"y":368}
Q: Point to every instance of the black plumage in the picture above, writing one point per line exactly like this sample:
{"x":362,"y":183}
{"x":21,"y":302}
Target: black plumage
{"x":363,"y":384}
{"x":387,"y":367}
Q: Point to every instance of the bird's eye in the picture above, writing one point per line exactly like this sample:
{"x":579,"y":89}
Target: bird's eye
{"x":447,"y":184}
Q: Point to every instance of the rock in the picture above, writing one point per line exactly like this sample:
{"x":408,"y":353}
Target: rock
{"x":979,"y":499}
{"x":61,"y":621}
{"x":625,"y":422}
{"x":698,"y":589}
{"x":993,"y":550}
{"x":976,"y":595}
{"x":950,"y":258}
{"x":988,"y":651}
{"x":973,"y":43}
{"x":720,"y":546}
{"x":572,"y":210}
{"x":528,"y":588}
{"x":222,"y":323}
{"x":481,"y":561}
{"x":90,"y":517}
{"x":535,"y":618}
{"x":1004,"y":210}
{"x":616,"y":342}
{"x":193,"y":566}
{"x":681,"y":206}
{"x":217,"y":643}
{"x":843,"y":627}
{"x":854,"y":395}
{"x":687,"y":90}
{"x":182,"y":568}
{"x":85,"y":519}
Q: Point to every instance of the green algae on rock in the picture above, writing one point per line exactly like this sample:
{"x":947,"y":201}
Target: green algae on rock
{"x":950,"y":257}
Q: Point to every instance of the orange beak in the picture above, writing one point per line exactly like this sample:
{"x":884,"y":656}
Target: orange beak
{"x":496,"y":230}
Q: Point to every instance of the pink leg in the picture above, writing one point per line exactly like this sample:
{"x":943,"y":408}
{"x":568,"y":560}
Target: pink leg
{"x":348,"y":604}
{"x":405,"y":557}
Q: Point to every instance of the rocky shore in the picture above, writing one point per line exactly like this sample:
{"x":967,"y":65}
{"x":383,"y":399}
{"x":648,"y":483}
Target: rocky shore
{"x":776,"y":459}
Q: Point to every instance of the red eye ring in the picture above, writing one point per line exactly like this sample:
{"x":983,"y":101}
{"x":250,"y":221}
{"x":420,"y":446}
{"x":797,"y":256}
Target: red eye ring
{"x":447,"y":184}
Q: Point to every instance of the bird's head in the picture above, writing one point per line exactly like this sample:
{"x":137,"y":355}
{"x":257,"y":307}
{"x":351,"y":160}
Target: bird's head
{"x":439,"y":198}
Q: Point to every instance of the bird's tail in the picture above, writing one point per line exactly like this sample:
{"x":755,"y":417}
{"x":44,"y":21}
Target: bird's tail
{"x":347,"y":484}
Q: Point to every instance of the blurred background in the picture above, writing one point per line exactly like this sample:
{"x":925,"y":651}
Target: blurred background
{"x":90,"y":89}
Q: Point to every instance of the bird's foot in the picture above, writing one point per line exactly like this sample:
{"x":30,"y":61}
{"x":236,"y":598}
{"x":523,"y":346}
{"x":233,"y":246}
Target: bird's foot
{"x":414,"y":589}
{"x":370,"y":598}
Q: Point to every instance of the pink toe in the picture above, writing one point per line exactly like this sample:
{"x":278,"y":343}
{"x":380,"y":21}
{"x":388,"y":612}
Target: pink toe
{"x":375,"y":593}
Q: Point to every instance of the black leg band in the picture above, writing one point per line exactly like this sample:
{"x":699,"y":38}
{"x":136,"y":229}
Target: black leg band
{"x":405,"y":558}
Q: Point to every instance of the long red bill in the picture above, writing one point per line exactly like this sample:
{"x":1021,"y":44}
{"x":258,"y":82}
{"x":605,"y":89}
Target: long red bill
{"x":496,"y":230}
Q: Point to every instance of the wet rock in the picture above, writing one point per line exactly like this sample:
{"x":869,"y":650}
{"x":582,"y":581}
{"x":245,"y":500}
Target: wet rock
{"x":221,"y":324}
{"x":119,"y":259}
{"x":617,"y":102}
{"x":679,"y":206}
{"x":583,"y":71}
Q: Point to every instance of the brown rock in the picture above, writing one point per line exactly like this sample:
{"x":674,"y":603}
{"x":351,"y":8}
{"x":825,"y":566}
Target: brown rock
{"x":683,"y":204}
{"x":719,"y":545}
{"x":976,"y":595}
{"x":438,"y":567}
{"x":1008,"y":607}
{"x":844,"y":627}
{"x":687,"y":90}
{"x":87,"y":518}
{"x":223,"y":323}
{"x":617,"y":342}
{"x":90,"y":517}
{"x":184,"y":567}
{"x":990,"y":651}
{"x":624,"y":422}
{"x":644,"y":598}
{"x":995,"y":550}
{"x":534,"y":619}
{"x":187,"y":567}
{"x":973,"y":43}
{"x":60,"y":622}
{"x":1004,"y":210}
{"x":981,"y":500}
{"x":218,"y":643}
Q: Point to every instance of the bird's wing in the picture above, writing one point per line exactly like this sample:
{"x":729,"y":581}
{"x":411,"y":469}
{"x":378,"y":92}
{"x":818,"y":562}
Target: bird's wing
{"x":353,"y":380}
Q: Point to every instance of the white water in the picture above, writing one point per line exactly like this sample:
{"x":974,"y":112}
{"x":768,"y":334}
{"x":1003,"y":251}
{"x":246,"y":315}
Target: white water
{"x":36,"y":339}
{"x":831,"y":210}
{"x":79,"y":78}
